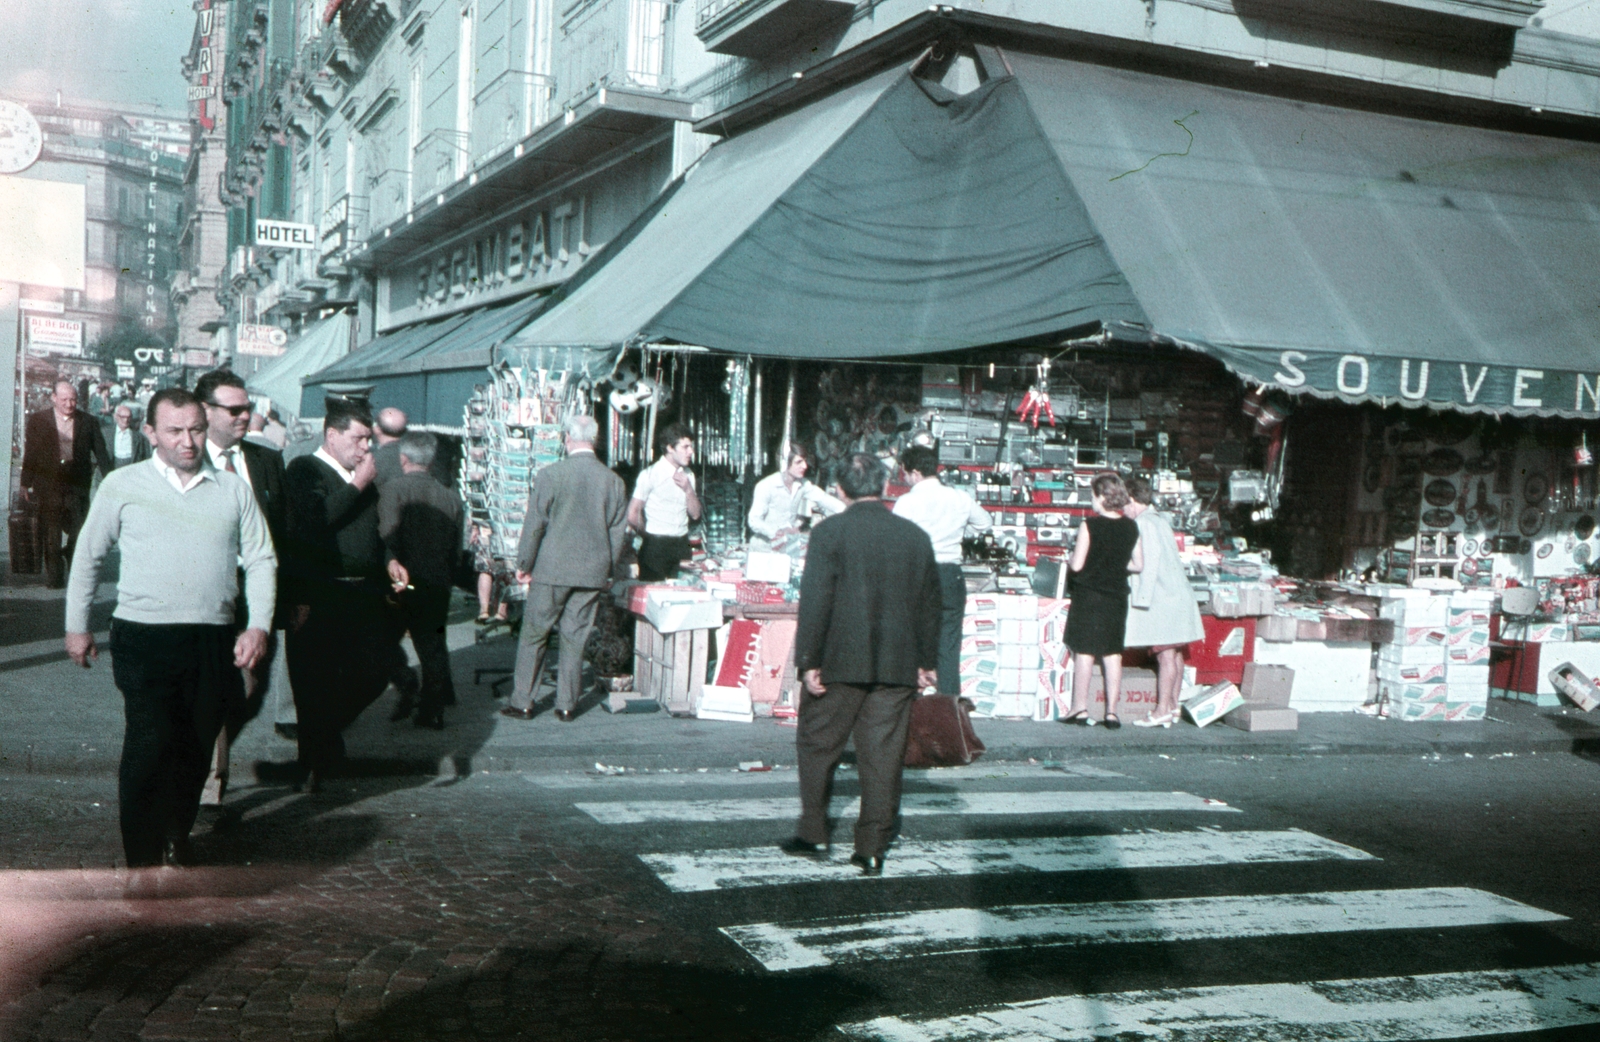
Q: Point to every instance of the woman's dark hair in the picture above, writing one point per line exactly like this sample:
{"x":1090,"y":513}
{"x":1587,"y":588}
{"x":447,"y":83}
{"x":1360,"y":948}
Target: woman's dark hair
{"x":1111,"y":491}
{"x":1139,"y":490}
{"x":863,"y":476}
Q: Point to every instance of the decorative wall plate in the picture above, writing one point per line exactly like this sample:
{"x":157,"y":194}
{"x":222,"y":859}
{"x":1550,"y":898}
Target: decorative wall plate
{"x":1469,"y":547}
{"x":1536,"y":488}
{"x":1439,"y":518}
{"x":1581,"y":554}
{"x":1583,"y":528}
{"x":1545,"y":550}
{"x":1440,"y":462}
{"x":1440,"y":492}
{"x":1530,"y":521}
{"x":1484,"y":464}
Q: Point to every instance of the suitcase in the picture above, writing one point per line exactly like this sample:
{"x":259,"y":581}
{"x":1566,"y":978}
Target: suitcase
{"x":24,"y":536}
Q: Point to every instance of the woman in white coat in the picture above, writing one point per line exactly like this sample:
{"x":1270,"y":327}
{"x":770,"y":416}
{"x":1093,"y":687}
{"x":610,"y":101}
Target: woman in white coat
{"x":1162,"y":613}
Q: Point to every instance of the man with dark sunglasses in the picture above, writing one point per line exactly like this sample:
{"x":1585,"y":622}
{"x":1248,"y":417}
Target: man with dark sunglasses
{"x":228,"y":409}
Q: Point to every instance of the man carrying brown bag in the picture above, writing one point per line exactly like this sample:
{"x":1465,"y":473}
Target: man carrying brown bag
{"x":867,"y":642}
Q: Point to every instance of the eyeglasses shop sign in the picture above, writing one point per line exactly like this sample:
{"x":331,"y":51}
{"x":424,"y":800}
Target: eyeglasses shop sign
{"x":285,"y":235}
{"x":261,"y":340}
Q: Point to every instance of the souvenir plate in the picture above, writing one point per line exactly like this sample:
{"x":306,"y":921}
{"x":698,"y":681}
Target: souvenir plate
{"x":1535,"y":489}
{"x":1440,"y":493}
{"x":1583,"y":528}
{"x":1469,"y":547}
{"x":1530,"y":521}
{"x":1581,"y":554}
{"x":1440,"y":462}
{"x":1439,"y":518}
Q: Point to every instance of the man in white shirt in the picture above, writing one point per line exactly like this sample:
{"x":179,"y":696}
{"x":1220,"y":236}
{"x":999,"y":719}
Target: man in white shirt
{"x":663,"y":504}
{"x":780,"y":500}
{"x":947,"y":515}
{"x":128,"y":445}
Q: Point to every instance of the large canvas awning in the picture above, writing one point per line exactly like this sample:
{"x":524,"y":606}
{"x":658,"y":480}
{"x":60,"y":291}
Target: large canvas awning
{"x":1331,"y":251}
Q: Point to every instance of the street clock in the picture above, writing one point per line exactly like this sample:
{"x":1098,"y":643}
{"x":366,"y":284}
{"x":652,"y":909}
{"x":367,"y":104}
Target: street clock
{"x":20,"y":140}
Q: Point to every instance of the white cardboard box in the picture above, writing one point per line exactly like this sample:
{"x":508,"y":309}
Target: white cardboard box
{"x":1415,"y":608}
{"x":1409,"y":653}
{"x":1411,"y":672}
{"x":766,"y":567}
{"x":1213,"y":703}
{"x":670,"y":611}
{"x":729,"y":704}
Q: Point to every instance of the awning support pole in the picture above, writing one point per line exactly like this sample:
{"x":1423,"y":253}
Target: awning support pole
{"x":788,"y":417}
{"x":758,"y":450}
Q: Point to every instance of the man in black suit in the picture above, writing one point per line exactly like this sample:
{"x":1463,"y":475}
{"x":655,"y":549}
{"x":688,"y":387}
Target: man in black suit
{"x":228,"y":409}
{"x":63,"y":446}
{"x":342,"y":645}
{"x":867,"y":642}
{"x":572,"y":541}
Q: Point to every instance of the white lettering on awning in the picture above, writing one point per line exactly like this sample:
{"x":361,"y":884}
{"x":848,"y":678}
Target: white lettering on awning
{"x":1473,"y":388}
{"x":1294,"y":377}
{"x":1344,"y":364}
{"x":1518,"y":398}
{"x":1405,"y":381}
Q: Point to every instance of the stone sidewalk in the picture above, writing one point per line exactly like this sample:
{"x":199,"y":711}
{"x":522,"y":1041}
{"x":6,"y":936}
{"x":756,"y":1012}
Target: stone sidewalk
{"x":65,"y":720}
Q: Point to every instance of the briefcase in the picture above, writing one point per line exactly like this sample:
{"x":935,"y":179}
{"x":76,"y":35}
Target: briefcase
{"x":941,"y":733}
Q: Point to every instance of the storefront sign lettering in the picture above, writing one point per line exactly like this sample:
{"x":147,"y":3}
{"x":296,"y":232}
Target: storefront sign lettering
{"x":1418,"y":381}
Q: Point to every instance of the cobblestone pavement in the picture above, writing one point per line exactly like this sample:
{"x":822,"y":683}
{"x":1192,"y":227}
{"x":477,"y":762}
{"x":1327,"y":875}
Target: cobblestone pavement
{"x":391,"y":910}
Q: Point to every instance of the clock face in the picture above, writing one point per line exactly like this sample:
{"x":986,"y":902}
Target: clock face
{"x":20,"y":139}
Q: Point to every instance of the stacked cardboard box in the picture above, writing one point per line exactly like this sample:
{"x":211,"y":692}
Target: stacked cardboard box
{"x":1012,"y":657}
{"x":1437,"y":665}
{"x":1466,"y":669}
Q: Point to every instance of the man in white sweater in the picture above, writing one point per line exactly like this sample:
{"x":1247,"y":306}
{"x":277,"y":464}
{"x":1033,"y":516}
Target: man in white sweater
{"x":186,"y":531}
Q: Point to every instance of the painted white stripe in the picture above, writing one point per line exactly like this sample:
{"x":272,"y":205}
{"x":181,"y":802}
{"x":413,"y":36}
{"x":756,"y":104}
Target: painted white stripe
{"x":943,"y":931}
{"x":768,"y":866}
{"x":912,"y":804}
{"x":1376,"y":1009}
{"x":783,"y":774}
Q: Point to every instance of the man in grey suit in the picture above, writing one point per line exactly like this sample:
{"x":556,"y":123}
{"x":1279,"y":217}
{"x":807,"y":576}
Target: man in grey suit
{"x":572,"y":540}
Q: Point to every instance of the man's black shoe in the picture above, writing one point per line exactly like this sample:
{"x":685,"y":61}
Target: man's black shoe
{"x":403,"y":706}
{"x":870,"y":866}
{"x":797,"y":847}
{"x":289,"y":731}
{"x":177,"y":854}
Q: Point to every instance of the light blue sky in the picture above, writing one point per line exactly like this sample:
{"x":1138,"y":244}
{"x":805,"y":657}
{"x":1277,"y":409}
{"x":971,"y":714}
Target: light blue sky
{"x":117,"y":51}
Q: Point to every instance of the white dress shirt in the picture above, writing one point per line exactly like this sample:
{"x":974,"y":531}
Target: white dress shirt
{"x":176,"y":480}
{"x":777,"y":506}
{"x":946,"y":514}
{"x":338,"y":468}
{"x":219,"y":459}
{"x":122,"y":443}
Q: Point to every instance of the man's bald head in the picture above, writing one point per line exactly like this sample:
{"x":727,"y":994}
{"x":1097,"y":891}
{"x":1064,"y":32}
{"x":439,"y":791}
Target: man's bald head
{"x":391,"y":425}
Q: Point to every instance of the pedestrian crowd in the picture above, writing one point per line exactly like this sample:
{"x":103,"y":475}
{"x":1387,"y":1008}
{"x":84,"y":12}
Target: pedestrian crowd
{"x":244,"y":578}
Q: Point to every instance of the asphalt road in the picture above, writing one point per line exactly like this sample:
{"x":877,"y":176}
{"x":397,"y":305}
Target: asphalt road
{"x":1179,"y":897}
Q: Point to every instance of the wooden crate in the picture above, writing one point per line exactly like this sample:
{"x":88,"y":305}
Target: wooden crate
{"x":670,"y":667}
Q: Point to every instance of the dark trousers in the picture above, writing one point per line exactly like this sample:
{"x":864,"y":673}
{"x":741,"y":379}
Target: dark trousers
{"x":423,"y":611}
{"x":573,"y":609}
{"x":953,"y":606}
{"x":175,"y":681}
{"x":660,"y":556}
{"x":878,"y":720}
{"x":340,"y":661}
{"x":62,"y":509}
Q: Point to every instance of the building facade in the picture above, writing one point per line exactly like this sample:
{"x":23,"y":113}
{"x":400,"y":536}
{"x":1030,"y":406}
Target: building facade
{"x":455,"y":155}
{"x":130,"y":163}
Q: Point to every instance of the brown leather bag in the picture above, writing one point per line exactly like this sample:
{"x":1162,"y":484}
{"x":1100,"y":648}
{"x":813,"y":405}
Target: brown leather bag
{"x":941,"y":733}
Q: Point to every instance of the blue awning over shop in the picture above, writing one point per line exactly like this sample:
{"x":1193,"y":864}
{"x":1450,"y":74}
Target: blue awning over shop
{"x":319,"y":346}
{"x":1344,"y":253}
{"x":427,"y":369}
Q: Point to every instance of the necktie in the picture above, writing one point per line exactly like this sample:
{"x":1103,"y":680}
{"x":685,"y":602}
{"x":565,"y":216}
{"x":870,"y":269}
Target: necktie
{"x":227,"y":461}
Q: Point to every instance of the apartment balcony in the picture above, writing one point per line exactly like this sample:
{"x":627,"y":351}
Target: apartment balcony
{"x":755,"y":28}
{"x":442,"y":159}
{"x":365,"y":23}
{"x":507,"y":110}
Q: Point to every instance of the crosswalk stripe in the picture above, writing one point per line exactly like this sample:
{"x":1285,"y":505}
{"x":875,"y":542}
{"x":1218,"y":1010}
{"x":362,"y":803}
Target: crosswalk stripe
{"x":913,"y":804}
{"x":768,"y":866}
{"x":1378,"y":1009}
{"x":859,"y":938}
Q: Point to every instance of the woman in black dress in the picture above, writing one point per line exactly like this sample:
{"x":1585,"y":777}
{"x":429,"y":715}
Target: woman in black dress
{"x":1107,"y":549}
